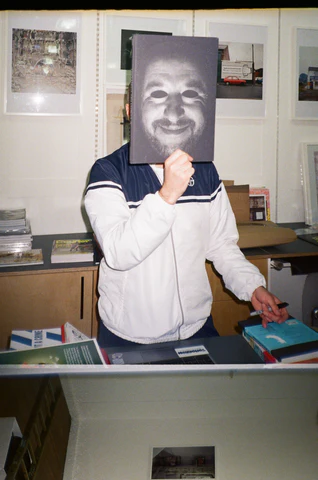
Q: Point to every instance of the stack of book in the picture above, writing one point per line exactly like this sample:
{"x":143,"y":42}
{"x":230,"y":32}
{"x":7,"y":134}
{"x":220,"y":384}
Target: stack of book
{"x":65,"y":345}
{"x":309,"y":234}
{"x":15,"y":231}
{"x":259,"y":204}
{"x":10,"y":219}
{"x":16,"y":240}
{"x":288,"y":342}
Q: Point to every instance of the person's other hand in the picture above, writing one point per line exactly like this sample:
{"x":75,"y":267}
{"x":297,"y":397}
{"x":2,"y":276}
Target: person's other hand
{"x":178,"y":170}
{"x":261,"y":300}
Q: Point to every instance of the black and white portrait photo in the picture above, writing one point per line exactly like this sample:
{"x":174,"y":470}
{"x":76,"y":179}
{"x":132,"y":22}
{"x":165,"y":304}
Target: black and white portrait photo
{"x":173,"y":97}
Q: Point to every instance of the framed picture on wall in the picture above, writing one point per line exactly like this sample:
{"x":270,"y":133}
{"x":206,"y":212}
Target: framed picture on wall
{"x":241,"y":80}
{"x":43,"y":63}
{"x":242,"y":77}
{"x":119,"y":30}
{"x":306,"y":74}
{"x":309,"y":163}
{"x":182,"y":462}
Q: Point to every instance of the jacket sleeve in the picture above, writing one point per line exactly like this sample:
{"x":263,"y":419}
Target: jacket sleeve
{"x":126,"y":235}
{"x":239,"y":275}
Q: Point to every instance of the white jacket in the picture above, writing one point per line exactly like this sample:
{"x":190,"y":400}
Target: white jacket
{"x":153,"y":284}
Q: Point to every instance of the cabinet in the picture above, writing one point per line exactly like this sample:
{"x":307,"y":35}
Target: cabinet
{"x":47,"y":299}
{"x":38,"y":299}
{"x":40,"y":408}
{"x":47,"y":296}
{"x":227,"y":310}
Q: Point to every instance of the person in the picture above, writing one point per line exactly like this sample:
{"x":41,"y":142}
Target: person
{"x":156,"y":226}
{"x":174,"y":100}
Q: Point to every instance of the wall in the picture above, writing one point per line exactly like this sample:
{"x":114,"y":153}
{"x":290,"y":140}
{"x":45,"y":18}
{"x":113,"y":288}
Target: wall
{"x":262,"y":424}
{"x":45,"y":160}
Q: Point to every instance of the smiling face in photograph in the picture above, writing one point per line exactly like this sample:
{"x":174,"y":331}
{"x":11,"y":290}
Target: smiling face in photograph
{"x":173,"y":104}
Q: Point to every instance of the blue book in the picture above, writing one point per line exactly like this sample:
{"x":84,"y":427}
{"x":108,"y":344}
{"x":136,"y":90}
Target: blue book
{"x":289,"y":342}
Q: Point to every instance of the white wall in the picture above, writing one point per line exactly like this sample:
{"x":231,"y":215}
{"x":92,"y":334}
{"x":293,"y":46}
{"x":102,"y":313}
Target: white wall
{"x":263,"y":425}
{"x":45,"y":160}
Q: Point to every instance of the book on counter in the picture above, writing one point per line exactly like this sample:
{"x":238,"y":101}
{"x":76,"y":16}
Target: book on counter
{"x":72,"y":250}
{"x":16,"y":238}
{"x":22,"y":258}
{"x":13,"y":217}
{"x":83,"y":352}
{"x":149,"y":139}
{"x":310,"y":237}
{"x":288,"y":342}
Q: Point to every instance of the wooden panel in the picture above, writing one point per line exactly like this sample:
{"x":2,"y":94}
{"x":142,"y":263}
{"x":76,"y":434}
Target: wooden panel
{"x":23,"y":398}
{"x":45,"y":301}
{"x":226,"y":314}
{"x":95,"y":315}
{"x":220,"y":293}
{"x":227,"y":309}
{"x":52,"y":460}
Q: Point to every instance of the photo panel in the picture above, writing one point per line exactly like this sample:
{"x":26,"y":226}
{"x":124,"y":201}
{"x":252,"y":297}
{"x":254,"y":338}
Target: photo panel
{"x":241,"y":82}
{"x":187,"y":462}
{"x":306,"y":74}
{"x":43,"y":63}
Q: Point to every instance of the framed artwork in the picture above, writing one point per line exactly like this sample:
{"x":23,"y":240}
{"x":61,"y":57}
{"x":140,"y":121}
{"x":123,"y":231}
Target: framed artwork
{"x":182,"y":462}
{"x":43,"y":63}
{"x":241,"y":81}
{"x":119,"y":30}
{"x":306,"y":74}
{"x":242,"y":67}
{"x":309,"y":162}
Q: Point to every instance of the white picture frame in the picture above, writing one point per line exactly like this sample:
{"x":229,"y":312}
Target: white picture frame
{"x":175,"y":23}
{"x":236,"y":33}
{"x":309,"y":164}
{"x":306,"y":74}
{"x":43,"y":63}
{"x":253,"y":36}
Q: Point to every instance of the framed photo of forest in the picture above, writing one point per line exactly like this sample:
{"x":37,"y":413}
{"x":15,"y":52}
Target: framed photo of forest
{"x":42,"y":69}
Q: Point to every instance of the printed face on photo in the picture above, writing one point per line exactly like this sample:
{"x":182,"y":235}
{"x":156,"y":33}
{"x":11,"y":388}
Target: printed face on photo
{"x":173,"y":105}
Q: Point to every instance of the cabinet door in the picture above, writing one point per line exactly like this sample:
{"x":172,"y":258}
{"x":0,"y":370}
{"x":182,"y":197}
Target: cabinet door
{"x":227,"y":309}
{"x":45,"y":300}
{"x":39,"y":406}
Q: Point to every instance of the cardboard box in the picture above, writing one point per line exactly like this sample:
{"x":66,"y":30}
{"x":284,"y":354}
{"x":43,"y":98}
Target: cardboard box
{"x":47,"y":337}
{"x":255,"y":233}
{"x":240,"y":201}
{"x":227,"y":183}
{"x":264,"y":234}
{"x":25,"y":339}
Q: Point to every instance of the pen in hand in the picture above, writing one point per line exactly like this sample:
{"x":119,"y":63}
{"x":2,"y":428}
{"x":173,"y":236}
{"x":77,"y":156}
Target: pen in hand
{"x":259,"y":312}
